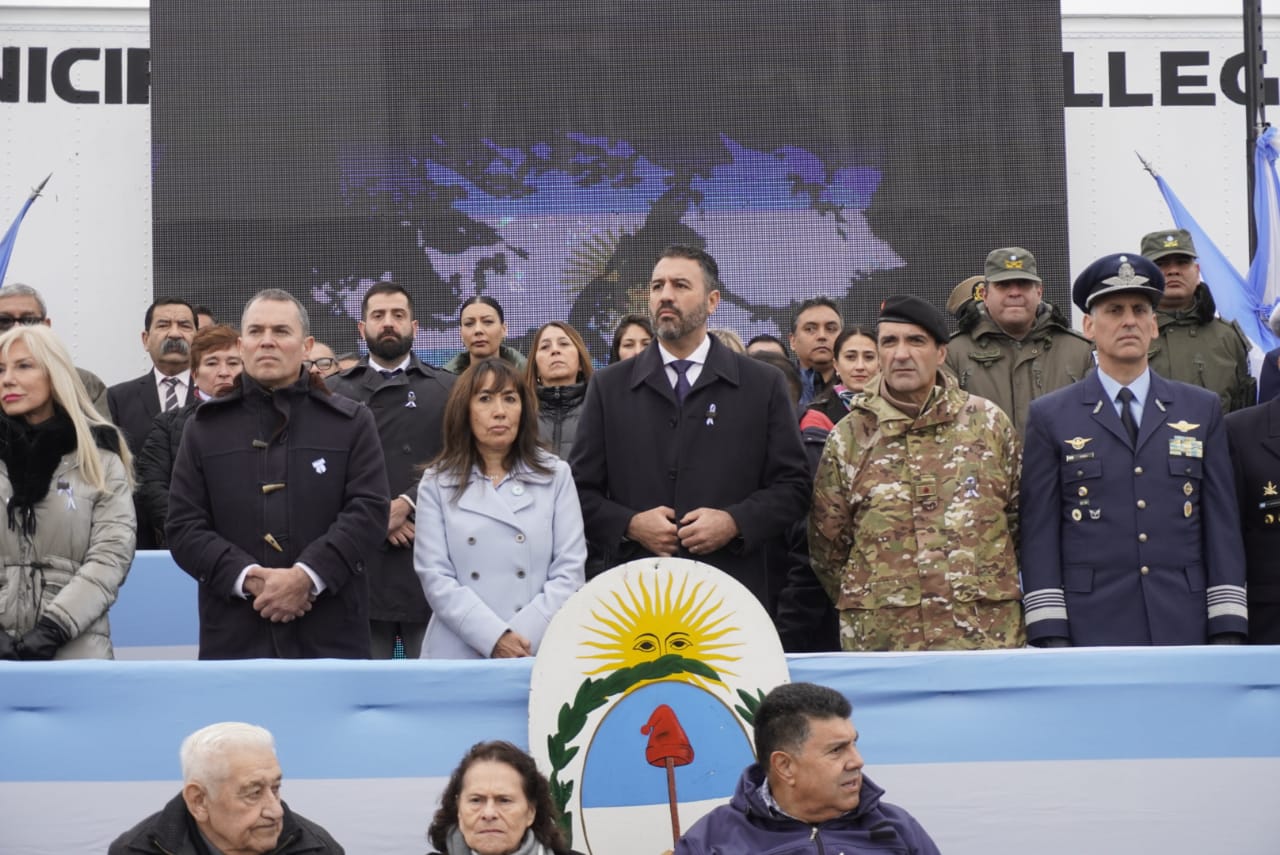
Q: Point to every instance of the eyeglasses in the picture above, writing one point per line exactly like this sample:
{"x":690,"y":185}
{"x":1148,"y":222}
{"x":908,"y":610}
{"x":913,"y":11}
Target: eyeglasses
{"x":324,"y":363}
{"x":7,"y":321}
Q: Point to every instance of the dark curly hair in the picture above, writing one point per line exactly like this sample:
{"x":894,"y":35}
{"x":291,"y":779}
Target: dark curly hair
{"x":546,"y":818}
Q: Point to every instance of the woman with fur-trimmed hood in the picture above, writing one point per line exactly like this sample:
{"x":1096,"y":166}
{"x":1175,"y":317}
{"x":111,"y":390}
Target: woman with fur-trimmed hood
{"x":66,"y":481}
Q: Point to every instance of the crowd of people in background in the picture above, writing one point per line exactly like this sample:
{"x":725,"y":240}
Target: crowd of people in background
{"x":1015,"y":480}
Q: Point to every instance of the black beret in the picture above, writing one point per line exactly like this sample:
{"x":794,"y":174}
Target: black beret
{"x":1117,"y":273}
{"x":909,"y":309}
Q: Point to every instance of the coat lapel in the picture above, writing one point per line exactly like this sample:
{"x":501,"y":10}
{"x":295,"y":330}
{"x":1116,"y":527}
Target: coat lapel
{"x":1160,"y":398}
{"x":720,"y":365}
{"x":1102,"y":408}
{"x":647,"y":369}
{"x":150,"y":393}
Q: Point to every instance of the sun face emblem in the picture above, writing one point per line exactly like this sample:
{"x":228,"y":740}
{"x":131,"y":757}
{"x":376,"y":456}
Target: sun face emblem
{"x":656,"y":618}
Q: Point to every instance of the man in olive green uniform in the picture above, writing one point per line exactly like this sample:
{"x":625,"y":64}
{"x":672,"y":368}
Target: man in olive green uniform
{"x":915,"y":503}
{"x":1020,"y":347}
{"x":1194,"y":345}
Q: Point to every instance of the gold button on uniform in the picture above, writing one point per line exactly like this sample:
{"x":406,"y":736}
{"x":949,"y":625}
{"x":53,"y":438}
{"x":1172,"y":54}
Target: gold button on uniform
{"x":1137,"y":470}
{"x":1142,"y":503}
{"x":1142,"y":538}
{"x":1083,"y":491}
{"x":1144,"y":570}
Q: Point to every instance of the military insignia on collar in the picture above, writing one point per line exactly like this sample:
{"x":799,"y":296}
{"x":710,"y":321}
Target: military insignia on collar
{"x":1182,"y":425}
{"x":1269,"y":489}
{"x":1078,"y":442}
{"x":1126,"y":276}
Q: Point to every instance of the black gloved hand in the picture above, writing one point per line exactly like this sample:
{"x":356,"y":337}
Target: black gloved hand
{"x":1053,"y":642}
{"x":1227,"y":638}
{"x":42,"y":640}
{"x":8,"y":649}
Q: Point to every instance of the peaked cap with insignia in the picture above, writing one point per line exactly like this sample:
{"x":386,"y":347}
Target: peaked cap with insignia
{"x":1114,"y":274}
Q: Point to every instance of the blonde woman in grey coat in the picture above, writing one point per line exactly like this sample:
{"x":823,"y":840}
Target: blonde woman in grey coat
{"x":68,"y":535}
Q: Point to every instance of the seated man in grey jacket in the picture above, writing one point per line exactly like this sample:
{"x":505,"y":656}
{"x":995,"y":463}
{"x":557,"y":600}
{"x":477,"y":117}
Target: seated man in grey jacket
{"x":230,"y":802}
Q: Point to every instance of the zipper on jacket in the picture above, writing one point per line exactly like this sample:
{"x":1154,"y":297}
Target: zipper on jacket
{"x":156,"y":843}
{"x":814,"y":838}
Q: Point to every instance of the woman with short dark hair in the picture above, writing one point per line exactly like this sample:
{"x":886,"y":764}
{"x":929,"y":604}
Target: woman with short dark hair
{"x":497,"y":803}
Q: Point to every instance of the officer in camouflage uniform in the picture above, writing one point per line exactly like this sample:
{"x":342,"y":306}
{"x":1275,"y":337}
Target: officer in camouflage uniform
{"x":1194,"y":345}
{"x":915,"y":503}
{"x":1019,"y":347}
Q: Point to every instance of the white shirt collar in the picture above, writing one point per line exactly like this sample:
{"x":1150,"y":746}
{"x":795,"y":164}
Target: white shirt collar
{"x":403,"y":366}
{"x":698,"y":357}
{"x":183,"y":376}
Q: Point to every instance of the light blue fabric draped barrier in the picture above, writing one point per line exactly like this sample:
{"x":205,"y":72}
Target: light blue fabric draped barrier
{"x":1106,"y":750}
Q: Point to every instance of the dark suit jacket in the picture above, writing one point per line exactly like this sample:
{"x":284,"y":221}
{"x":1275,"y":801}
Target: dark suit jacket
{"x":134,"y":405}
{"x":1125,"y":546}
{"x":410,"y":436}
{"x":1254,"y":435}
{"x":734,"y":445}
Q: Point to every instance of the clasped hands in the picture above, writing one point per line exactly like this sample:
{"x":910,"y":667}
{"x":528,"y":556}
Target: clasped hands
{"x":701,"y":531}
{"x":280,"y":594}
{"x":400,"y":528}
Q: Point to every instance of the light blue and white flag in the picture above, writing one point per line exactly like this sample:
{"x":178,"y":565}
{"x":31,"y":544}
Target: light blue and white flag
{"x":1264,"y":271}
{"x":11,"y":236}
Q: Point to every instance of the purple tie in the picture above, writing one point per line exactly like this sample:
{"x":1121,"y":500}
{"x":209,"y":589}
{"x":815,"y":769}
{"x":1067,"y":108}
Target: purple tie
{"x":682,"y":379}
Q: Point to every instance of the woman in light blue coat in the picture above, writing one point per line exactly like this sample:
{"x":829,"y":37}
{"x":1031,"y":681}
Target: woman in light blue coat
{"x":499,"y":545}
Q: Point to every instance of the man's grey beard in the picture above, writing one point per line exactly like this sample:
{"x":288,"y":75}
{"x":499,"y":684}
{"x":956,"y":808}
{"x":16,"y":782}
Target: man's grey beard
{"x":390,"y":349}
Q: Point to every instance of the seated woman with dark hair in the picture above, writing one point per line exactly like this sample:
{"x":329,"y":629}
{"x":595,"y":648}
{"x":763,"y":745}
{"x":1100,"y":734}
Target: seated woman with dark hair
{"x":497,"y":803}
{"x":499,"y":544}
{"x":482,"y":326}
{"x":559,"y":368}
{"x":633,"y":335}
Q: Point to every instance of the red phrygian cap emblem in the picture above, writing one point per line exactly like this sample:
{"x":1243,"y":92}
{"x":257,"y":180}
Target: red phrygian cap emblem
{"x":667,"y":740}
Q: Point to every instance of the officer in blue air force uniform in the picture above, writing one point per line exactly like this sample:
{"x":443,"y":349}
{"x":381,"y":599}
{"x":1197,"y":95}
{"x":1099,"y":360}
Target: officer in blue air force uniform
{"x":1130,"y":528}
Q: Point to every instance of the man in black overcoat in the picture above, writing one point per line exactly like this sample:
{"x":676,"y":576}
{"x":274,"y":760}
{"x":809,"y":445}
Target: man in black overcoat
{"x":689,"y":449}
{"x":407,"y":398}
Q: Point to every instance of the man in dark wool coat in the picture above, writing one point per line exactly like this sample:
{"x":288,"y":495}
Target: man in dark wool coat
{"x":689,"y":449}
{"x":278,"y":495}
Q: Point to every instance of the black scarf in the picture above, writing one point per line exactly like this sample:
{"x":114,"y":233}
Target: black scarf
{"x":32,"y":453}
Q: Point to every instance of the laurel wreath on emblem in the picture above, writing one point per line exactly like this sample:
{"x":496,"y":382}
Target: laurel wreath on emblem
{"x":594,"y":693}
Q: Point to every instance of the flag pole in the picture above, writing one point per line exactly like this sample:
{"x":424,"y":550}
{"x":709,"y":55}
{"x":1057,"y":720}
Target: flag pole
{"x":1255,"y":103}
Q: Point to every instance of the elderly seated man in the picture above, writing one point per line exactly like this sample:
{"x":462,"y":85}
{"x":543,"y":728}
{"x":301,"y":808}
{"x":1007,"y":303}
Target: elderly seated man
{"x":806,"y":792}
{"x":230,"y":803}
